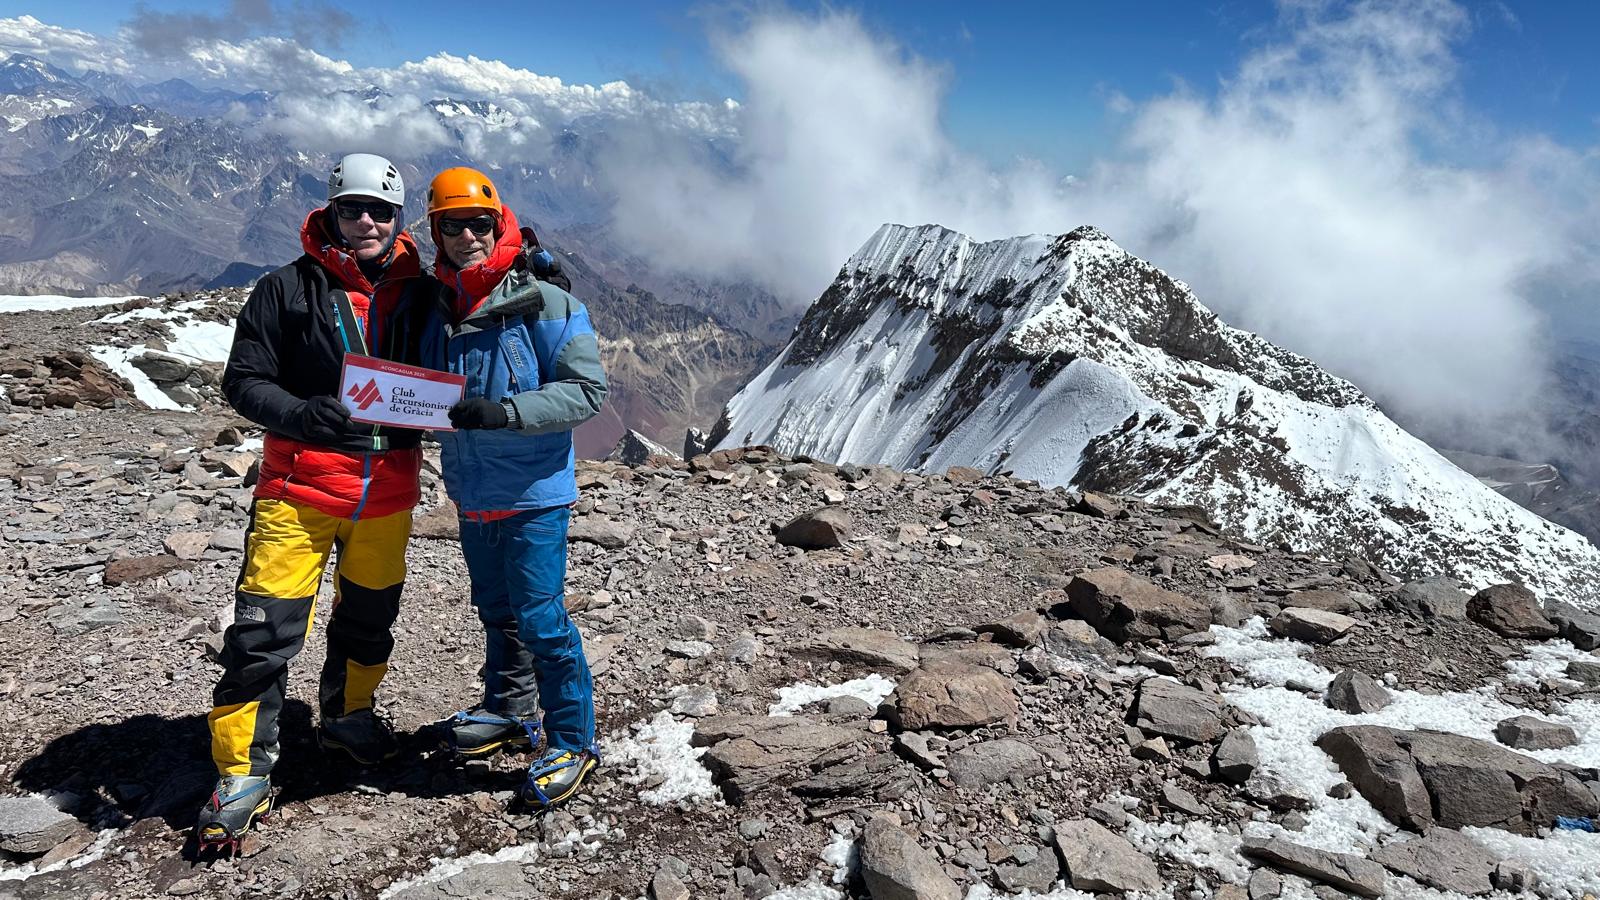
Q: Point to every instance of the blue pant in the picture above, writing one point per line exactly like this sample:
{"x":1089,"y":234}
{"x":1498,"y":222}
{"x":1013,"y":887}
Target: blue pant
{"x":518,"y":567}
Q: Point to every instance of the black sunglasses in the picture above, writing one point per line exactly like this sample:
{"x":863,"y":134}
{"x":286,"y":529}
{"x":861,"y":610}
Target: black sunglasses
{"x":480,"y":225}
{"x":379,"y":212}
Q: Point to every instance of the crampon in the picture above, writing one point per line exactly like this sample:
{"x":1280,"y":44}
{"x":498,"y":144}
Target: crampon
{"x":237,"y":803}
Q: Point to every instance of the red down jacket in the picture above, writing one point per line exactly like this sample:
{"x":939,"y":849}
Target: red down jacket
{"x":288,"y":348}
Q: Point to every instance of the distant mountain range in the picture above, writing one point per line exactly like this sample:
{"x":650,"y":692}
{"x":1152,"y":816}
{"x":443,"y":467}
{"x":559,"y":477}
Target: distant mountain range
{"x":113,"y":188}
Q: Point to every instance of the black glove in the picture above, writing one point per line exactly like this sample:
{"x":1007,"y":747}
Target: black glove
{"x":324,"y":420}
{"x":479,"y":413}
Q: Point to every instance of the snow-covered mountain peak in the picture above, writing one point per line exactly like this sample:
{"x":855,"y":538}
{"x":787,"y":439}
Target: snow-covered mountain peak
{"x":20,"y":74}
{"x":1069,"y":360}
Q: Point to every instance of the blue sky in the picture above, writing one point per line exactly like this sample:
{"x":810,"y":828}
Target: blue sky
{"x":1024,"y":78}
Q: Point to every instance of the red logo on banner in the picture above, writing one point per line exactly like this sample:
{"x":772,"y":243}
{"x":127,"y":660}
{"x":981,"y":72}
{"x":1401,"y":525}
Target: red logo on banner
{"x":367,"y":394}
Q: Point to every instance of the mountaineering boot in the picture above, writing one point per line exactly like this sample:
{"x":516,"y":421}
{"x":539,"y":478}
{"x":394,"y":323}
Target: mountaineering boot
{"x":361,"y":735}
{"x":477,"y":732}
{"x":557,"y":776}
{"x":236,"y":803}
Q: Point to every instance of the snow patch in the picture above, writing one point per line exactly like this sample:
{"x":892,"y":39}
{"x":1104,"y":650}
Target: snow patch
{"x":12,"y":303}
{"x":811,"y":890}
{"x":844,"y":854}
{"x":1565,"y":860}
{"x":1292,"y":721}
{"x":873,"y":689}
{"x":95,"y":851}
{"x":118,"y":359}
{"x":1061,"y":892}
{"x":659,"y":751}
{"x":158,"y":313}
{"x":444,"y":868}
{"x":208,"y":341}
{"x":1200,"y":844}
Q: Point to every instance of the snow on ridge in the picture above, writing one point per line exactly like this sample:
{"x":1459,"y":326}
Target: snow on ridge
{"x":14,"y":303}
{"x":1067,"y":360}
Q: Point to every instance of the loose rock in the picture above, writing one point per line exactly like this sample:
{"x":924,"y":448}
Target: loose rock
{"x":954,"y":695}
{"x":1355,"y":692}
{"x":1314,"y":626}
{"x":1168,"y":708}
{"x":1528,"y":733}
{"x":1125,"y":607}
{"x":895,"y":867}
{"x":1510,"y":610}
{"x":1442,"y":859}
{"x":1098,"y":860}
{"x":819,"y":529}
{"x":1341,"y":870}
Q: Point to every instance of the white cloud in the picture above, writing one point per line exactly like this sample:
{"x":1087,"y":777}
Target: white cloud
{"x":331,"y":123}
{"x":67,"y":48}
{"x":271,"y":63}
{"x":1318,"y":195}
{"x":303,"y":76}
{"x":1313,"y":196}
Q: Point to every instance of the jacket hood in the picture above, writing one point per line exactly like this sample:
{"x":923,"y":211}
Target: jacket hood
{"x":315,"y":240}
{"x":475,"y":283}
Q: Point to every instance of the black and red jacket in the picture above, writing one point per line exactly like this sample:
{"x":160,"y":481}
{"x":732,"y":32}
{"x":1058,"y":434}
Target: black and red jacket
{"x":288,"y":347}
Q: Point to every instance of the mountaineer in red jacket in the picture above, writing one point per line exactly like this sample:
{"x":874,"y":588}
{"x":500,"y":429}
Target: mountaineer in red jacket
{"x":325,"y":482}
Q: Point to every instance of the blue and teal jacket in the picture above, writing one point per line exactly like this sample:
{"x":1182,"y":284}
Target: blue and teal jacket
{"x":529,"y":343}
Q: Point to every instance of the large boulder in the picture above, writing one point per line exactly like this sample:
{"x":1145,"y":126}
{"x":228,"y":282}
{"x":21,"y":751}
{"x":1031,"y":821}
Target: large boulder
{"x":1326,"y":600}
{"x":954,"y":695}
{"x":1236,"y":757}
{"x":1355,"y":693}
{"x":30,"y":825}
{"x":607,"y":533}
{"x":163,"y":368}
{"x":1099,"y":860}
{"x":1419,"y":779}
{"x":869,"y":647}
{"x":1024,"y":629}
{"x":1348,"y":873}
{"x":1382,"y":770}
{"x":1442,"y":859}
{"x":1580,"y":627}
{"x":1528,"y":733}
{"x":1124,"y":607}
{"x":895,"y":867}
{"x":993,"y":761}
{"x":1434,"y":597}
{"x":1172,"y":710}
{"x":820,"y":529}
{"x":1511,"y":610}
{"x":749,"y":752}
{"x":1314,"y":626}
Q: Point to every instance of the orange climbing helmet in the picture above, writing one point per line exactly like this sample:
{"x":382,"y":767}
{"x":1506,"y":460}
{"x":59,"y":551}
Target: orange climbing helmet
{"x":462,"y":188}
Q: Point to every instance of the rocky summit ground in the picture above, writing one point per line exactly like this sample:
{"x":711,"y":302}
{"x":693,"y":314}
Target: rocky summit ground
{"x":815,"y":681}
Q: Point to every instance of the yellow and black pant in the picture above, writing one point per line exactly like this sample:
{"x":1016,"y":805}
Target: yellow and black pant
{"x":286,"y":551}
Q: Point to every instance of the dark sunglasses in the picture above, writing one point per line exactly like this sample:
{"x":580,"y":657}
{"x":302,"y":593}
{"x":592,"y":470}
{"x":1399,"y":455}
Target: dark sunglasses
{"x":480,"y":225}
{"x":378,"y":212}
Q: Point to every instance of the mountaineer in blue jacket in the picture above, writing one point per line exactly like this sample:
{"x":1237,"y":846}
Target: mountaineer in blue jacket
{"x":533,"y":374}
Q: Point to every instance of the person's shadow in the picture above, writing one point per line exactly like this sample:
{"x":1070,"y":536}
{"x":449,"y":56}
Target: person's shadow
{"x":152,"y":766}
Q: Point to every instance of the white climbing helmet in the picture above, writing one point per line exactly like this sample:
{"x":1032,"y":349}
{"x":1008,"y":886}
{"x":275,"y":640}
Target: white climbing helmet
{"x":367,"y":175}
